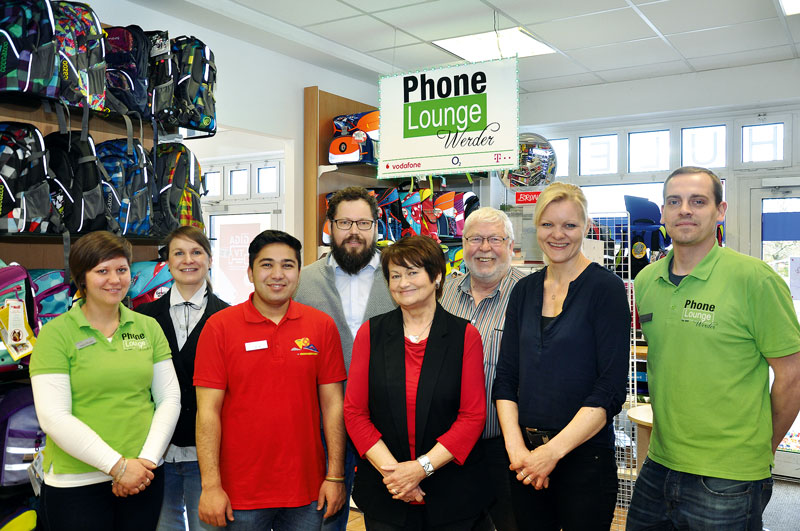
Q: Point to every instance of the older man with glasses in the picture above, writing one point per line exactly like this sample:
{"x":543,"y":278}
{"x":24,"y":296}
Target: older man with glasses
{"x":482,"y":296}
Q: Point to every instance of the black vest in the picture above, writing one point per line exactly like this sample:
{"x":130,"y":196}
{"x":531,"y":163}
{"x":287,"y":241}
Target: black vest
{"x":183,"y":360}
{"x":454,"y":492}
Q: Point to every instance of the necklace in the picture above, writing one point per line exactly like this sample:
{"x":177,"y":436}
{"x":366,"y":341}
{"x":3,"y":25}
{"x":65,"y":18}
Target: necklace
{"x":415,"y":337}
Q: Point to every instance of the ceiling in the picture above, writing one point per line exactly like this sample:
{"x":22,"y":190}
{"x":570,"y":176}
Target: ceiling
{"x":596,"y":41}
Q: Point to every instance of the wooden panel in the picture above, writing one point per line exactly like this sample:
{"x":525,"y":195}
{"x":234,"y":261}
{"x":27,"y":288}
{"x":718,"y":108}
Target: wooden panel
{"x":47,"y":252}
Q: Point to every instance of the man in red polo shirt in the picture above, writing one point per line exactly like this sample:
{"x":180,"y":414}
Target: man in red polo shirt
{"x":264,"y":371}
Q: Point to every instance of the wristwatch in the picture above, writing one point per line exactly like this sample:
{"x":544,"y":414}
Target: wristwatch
{"x":426,"y":464}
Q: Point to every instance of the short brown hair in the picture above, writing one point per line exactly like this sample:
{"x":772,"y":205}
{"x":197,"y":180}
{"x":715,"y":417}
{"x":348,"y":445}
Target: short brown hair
{"x":688,"y":170}
{"x":93,"y":248}
{"x":352,"y":193}
{"x":559,"y":191}
{"x":416,"y":251}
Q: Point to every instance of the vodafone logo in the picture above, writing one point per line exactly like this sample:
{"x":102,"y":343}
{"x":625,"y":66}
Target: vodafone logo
{"x":527,"y":198}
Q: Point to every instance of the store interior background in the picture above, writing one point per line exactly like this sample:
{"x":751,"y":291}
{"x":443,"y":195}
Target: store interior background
{"x":621,"y":66}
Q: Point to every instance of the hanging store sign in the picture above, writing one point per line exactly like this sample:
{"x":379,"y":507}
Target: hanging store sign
{"x":450,"y":120}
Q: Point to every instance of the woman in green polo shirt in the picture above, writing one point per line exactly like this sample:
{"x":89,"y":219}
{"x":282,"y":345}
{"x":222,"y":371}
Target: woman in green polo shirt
{"x":107,"y":397}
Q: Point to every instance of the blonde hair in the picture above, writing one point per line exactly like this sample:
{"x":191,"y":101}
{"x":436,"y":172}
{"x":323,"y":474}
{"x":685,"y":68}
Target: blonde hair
{"x":559,"y":191}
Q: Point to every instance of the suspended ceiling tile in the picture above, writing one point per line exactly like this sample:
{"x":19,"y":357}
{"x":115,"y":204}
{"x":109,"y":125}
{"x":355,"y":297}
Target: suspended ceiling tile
{"x":553,"y":83}
{"x":444,"y":19}
{"x":594,"y":30}
{"x":415,"y":57}
{"x":550,"y":65}
{"x":677,"y":16}
{"x":794,"y":26}
{"x":645,"y":71}
{"x":362,"y":33}
{"x":312,"y":12}
{"x":535,"y":11}
{"x":730,"y":39}
{"x":764,"y":55}
{"x":626,"y":54}
{"x":381,"y":5}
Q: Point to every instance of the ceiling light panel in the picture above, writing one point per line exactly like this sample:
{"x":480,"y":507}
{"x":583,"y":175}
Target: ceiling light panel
{"x":494,"y":45}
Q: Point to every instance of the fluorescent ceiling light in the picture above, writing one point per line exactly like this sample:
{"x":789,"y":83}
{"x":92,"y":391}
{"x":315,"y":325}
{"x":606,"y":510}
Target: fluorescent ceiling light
{"x":790,"y":7}
{"x":495,"y":45}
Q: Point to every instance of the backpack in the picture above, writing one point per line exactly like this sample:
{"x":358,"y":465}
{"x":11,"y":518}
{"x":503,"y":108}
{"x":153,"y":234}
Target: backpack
{"x":127,"y":65}
{"x":161,"y":85}
{"x":22,"y":435}
{"x":28,"y":50}
{"x":149,"y":281}
{"x":75,"y":166}
{"x":355,"y":138}
{"x":16,"y":283}
{"x":195,"y":77}
{"x":179,"y":181}
{"x":81,"y":48}
{"x":51,"y":291}
{"x":24,"y":192}
{"x":131,"y":178}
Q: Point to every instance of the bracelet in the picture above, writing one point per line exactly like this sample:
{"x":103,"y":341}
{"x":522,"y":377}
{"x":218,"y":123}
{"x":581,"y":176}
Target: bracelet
{"x":121,"y":471}
{"x":334,"y":479}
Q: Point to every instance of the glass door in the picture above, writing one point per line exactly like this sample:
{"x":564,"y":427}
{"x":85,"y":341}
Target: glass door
{"x":775,"y":238}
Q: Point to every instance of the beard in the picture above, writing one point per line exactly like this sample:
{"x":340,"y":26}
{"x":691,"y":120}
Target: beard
{"x":353,"y":262}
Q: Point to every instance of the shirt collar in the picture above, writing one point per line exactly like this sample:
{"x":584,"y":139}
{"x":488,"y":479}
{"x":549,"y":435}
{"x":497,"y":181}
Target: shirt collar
{"x":252,"y":315}
{"x":374,"y":263}
{"x":125,"y":314}
{"x":176,"y":299}
{"x":701,"y":271}
{"x":465,"y":286}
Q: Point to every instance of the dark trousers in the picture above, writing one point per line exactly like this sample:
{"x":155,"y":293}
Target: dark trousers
{"x":581,"y":496}
{"x":95,"y":508}
{"x":416,"y":522}
{"x":496,"y":458}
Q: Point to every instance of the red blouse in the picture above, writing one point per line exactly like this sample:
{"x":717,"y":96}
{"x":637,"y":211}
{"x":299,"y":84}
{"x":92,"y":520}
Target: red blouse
{"x":468,"y":426}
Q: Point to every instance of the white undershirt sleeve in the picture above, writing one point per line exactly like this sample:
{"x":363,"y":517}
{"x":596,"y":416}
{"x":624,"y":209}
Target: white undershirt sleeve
{"x":52,"y":395}
{"x":167,"y":398}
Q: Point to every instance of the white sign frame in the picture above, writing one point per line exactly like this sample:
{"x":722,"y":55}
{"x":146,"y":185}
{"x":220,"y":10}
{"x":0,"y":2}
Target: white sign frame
{"x":484,"y":137}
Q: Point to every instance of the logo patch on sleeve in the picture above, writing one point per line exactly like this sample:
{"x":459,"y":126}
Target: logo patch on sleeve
{"x":305,"y":347}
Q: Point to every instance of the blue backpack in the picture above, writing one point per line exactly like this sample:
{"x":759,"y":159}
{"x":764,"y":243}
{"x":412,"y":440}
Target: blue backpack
{"x":149,"y":281}
{"x":51,"y":293}
{"x":129,"y":191}
{"x":28,"y":50}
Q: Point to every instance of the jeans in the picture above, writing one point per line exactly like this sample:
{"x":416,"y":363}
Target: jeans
{"x":338,"y":522}
{"x":581,"y":496}
{"x":664,"y":499}
{"x":303,"y":518}
{"x":95,"y":508}
{"x":496,"y":458}
{"x":181,"y":489}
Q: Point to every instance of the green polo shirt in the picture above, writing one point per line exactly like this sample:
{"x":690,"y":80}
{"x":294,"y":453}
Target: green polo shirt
{"x":110,"y":381}
{"x":708,"y":340}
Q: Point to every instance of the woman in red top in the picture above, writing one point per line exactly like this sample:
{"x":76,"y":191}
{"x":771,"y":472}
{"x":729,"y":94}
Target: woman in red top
{"x":415,"y":402}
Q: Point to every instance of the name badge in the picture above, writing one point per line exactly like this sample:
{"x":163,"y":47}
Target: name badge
{"x":85,"y":343}
{"x":256,"y":345}
{"x":646,"y":318}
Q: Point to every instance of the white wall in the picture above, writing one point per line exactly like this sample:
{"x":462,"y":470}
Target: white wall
{"x":257,"y":89}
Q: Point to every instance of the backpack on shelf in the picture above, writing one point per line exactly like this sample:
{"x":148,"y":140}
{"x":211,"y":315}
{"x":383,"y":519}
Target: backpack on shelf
{"x":127,"y":68}
{"x":24,"y":192}
{"x":28,"y":49}
{"x":195,"y":77}
{"x":178,"y":188}
{"x":21,"y":433}
{"x":355,"y":139}
{"x":52,"y":295}
{"x":75,"y":167}
{"x":161,"y":83}
{"x":81,"y":48}
{"x":132,"y":181}
{"x":149,"y":281}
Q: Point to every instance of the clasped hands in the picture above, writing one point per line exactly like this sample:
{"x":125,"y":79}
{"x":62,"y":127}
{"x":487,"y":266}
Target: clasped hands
{"x":402,"y":480}
{"x":534,"y":467}
{"x":137,"y":477}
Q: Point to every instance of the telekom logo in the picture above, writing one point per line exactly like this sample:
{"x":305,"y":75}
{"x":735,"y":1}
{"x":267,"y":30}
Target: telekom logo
{"x":527,"y":198}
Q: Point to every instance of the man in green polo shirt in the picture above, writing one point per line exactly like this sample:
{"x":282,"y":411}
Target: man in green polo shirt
{"x":715,"y":321}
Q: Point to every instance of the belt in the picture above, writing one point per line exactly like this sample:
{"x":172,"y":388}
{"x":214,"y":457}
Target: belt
{"x":535,"y":437}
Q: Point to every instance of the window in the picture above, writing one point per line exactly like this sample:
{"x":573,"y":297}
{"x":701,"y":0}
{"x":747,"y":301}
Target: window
{"x":598,"y":155}
{"x":268,"y":182}
{"x":561,"y":147}
{"x":648,"y":151}
{"x":611,"y":198}
{"x":239,"y":181}
{"x":703,"y":146}
{"x":762,"y":143}
{"x":213,"y":181}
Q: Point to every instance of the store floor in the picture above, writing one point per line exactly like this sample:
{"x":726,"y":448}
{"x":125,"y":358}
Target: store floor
{"x":356,"y":521}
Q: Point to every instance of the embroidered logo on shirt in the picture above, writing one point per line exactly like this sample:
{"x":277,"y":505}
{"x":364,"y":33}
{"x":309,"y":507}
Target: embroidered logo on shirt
{"x":700,"y":314}
{"x":134,"y":341}
{"x":304,"y":347}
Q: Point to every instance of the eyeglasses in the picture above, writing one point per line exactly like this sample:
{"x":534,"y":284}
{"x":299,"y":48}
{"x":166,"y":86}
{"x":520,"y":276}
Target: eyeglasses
{"x":362,"y":224}
{"x":494,"y":241}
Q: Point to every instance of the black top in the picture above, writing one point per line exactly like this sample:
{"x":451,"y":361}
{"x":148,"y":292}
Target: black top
{"x":183,"y":360}
{"x":546,"y":320}
{"x":579,"y":360}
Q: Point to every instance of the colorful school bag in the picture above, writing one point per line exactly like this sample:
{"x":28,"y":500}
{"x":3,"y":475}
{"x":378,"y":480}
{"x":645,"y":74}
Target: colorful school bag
{"x":52,"y":295}
{"x":129,"y":190}
{"x":195,"y":81}
{"x":28,"y":49}
{"x":178,"y":188}
{"x":355,"y":138}
{"x":21,"y":433}
{"x":149,"y":281}
{"x":127,"y":68}
{"x":161,"y":84}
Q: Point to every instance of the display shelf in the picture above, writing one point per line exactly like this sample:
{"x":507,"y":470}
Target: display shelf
{"x":46,"y":251}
